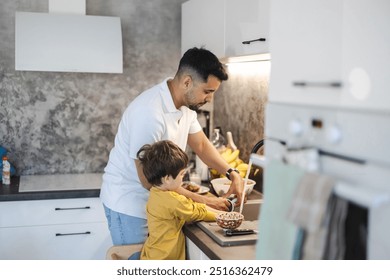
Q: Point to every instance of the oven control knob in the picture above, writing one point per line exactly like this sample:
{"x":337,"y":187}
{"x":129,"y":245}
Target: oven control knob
{"x":333,"y":134}
{"x":296,"y":127}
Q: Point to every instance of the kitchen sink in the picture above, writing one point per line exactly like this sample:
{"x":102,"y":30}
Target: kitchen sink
{"x":251,"y":212}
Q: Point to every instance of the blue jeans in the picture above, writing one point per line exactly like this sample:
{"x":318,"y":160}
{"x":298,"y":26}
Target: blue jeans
{"x":126,"y":229}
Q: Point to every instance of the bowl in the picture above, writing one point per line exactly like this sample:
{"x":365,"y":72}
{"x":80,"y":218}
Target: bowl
{"x":229,"y":220}
{"x":221,"y":186}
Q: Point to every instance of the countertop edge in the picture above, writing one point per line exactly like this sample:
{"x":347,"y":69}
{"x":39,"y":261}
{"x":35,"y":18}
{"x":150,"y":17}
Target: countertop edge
{"x":50,"y":195}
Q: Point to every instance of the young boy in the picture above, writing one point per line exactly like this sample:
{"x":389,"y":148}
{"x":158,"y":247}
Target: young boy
{"x":164,"y":165}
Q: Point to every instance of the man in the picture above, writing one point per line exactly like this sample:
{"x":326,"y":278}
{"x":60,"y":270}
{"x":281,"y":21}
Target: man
{"x":163,"y":112}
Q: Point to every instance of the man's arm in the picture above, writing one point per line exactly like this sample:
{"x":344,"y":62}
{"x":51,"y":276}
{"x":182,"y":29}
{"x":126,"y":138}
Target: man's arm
{"x":212,"y":158}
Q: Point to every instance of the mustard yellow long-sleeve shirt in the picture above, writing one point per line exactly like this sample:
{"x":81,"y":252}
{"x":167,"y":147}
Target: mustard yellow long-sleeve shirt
{"x":167,"y":212}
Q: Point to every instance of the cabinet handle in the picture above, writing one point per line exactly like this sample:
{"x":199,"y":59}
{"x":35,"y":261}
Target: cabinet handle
{"x":255,"y":40}
{"x":72,"y":208}
{"x":317,"y":84}
{"x":73,"y":233}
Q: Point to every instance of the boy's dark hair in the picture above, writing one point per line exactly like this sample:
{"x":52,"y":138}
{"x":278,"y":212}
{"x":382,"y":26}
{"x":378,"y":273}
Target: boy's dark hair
{"x":203,"y":63}
{"x":163,"y":158}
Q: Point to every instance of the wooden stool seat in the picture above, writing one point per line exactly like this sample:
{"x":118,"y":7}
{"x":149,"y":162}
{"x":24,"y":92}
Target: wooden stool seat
{"x":122,"y":252}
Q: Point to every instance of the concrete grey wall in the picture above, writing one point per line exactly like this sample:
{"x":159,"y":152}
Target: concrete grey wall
{"x":66,"y":122}
{"x":239,"y":104}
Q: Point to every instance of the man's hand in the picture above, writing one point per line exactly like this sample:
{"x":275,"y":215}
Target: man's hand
{"x":236,"y":187}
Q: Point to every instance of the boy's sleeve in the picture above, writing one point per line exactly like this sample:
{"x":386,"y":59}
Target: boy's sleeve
{"x":210,"y":217}
{"x":191,"y":211}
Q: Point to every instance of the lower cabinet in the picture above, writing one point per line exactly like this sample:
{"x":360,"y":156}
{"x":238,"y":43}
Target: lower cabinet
{"x":193,"y":251}
{"x":60,"y":229}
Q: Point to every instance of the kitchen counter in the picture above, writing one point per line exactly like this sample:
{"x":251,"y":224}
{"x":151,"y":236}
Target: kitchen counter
{"x":216,"y":252}
{"x":61,"y":216}
{"x":11,"y":193}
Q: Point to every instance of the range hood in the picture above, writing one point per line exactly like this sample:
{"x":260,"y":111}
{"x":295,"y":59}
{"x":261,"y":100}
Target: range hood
{"x":63,"y":42}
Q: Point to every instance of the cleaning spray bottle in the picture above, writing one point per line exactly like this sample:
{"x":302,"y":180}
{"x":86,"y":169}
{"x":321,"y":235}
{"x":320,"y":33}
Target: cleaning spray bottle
{"x":6,"y":176}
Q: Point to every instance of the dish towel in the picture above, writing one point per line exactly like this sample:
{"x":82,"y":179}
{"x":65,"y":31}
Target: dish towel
{"x":276,"y":234}
{"x":335,"y":245}
{"x":308,"y":210}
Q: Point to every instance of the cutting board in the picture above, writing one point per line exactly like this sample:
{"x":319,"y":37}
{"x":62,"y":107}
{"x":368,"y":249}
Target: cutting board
{"x":216,"y":233}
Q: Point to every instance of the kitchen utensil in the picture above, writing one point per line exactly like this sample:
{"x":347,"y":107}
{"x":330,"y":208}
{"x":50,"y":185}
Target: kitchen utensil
{"x":245,"y":184}
{"x":232,"y":202}
{"x":238,"y":231}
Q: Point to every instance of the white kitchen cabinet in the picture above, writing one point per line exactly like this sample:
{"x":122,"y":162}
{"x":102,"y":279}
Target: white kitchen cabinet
{"x":246,"y":21}
{"x":203,"y":25}
{"x":223,"y":25}
{"x":306,"y":50}
{"x":330,"y":53}
{"x":67,"y":229}
{"x":366,"y":54}
{"x":194,"y":252}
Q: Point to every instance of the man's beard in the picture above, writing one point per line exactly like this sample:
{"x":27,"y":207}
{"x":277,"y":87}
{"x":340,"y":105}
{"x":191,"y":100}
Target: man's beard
{"x":190,"y":98}
{"x":196,"y":107}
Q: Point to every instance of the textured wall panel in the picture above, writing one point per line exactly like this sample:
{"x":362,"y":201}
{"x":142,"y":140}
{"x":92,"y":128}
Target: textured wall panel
{"x":66,"y":122}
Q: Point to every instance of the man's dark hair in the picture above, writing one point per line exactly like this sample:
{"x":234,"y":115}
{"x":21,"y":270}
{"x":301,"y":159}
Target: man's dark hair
{"x":163,"y":158}
{"x":204,"y":63}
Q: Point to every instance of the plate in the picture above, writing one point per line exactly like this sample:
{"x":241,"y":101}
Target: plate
{"x":202,"y":189}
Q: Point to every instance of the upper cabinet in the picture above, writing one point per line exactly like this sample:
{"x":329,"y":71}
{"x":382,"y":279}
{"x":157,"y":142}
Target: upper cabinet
{"x":226,"y":27}
{"x":331,"y":53}
{"x":366,"y":54}
{"x":306,"y":51}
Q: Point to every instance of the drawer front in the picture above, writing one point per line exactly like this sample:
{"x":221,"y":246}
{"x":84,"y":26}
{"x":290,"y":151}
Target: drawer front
{"x":56,"y":242}
{"x":193,"y":251}
{"x":48,"y":212}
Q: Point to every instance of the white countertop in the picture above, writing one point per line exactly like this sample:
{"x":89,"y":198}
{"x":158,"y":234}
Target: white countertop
{"x":60,"y":182}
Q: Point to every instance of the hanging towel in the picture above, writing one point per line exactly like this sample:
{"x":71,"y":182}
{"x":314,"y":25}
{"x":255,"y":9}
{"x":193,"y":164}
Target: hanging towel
{"x":276,"y":234}
{"x":310,"y":199}
{"x":308,"y":210}
{"x":297,"y":252}
{"x":335,"y":241}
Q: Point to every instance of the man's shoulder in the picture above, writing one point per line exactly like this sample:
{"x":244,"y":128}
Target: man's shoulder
{"x":160,"y":87}
{"x":151,"y":95}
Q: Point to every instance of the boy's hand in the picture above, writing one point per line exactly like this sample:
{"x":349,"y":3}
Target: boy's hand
{"x":217,"y":203}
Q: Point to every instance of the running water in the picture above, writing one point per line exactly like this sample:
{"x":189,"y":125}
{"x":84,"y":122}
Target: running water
{"x":245,"y":183}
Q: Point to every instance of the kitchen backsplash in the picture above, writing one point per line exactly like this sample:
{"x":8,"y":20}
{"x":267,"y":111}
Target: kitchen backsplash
{"x":66,"y":122}
{"x":240,"y":103}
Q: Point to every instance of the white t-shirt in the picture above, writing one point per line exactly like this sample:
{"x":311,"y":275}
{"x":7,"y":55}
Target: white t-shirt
{"x":151,"y":117}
